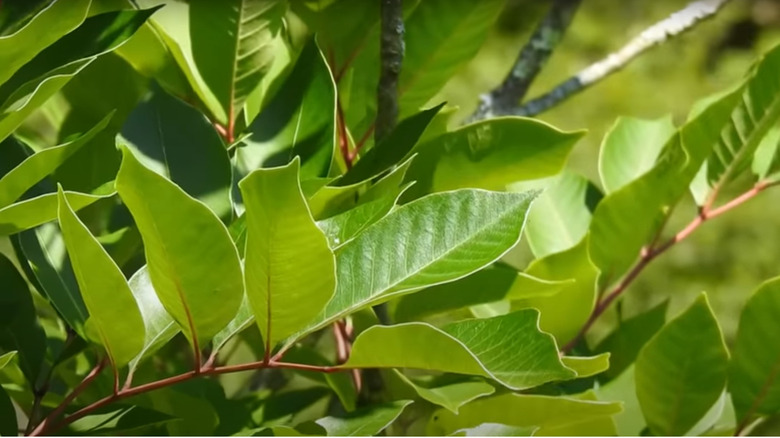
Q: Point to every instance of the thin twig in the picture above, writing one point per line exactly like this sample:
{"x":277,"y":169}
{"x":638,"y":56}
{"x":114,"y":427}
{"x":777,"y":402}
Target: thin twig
{"x":391,"y":57}
{"x":533,"y":57}
{"x":647,"y":255}
{"x":676,"y":24}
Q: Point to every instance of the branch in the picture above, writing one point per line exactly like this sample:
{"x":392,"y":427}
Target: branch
{"x":532,"y":58}
{"x":649,"y":254}
{"x":391,"y":54}
{"x":676,"y":24}
{"x":75,"y":393}
{"x":47,"y":427}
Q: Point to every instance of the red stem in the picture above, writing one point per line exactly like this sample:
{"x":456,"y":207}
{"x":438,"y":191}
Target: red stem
{"x":45,"y":426}
{"x":343,"y":137}
{"x":75,"y":393}
{"x":649,"y":254}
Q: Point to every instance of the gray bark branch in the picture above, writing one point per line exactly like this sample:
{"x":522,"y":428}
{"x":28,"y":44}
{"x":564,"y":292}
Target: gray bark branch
{"x":533,"y":57}
{"x":676,"y":24}
{"x":391,"y":58}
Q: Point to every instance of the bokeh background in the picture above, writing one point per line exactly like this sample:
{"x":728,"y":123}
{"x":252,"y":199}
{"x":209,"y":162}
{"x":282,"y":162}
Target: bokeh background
{"x":727,"y":257}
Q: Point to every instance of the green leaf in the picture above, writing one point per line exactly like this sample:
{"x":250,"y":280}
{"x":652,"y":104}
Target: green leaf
{"x":627,"y":219}
{"x":629,"y":337}
{"x":243,"y":319}
{"x":32,"y":212}
{"x":8,"y":424}
{"x":195,"y":269}
{"x":19,"y":329}
{"x":630,"y":149}
{"x":754,"y":115}
{"x":565,"y":311}
{"x":754,"y":369}
{"x":368,"y":421}
{"x":441,"y":36}
{"x":176,"y":141}
{"x":398,"y":254}
{"x":343,"y":227}
{"x":119,"y":420}
{"x":494,"y":283}
{"x":766,"y":160}
{"x":159,"y":325}
{"x":495,"y":429}
{"x":622,"y":389}
{"x":43,"y":250}
{"x":446,"y":392}
{"x":587,"y":366}
{"x":479,"y":347}
{"x":32,"y":170}
{"x":560,"y":217}
{"x":290,"y":270}
{"x":53,"y":67}
{"x":6,"y":358}
{"x":490,"y":155}
{"x":392,"y":149}
{"x":299,"y":120}
{"x":552,"y":415}
{"x":681,"y":371}
{"x":114,"y":315}
{"x":231,"y":44}
{"x":46,"y":27}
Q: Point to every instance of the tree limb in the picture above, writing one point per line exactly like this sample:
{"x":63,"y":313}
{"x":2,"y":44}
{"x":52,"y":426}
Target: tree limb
{"x":530,"y":62}
{"x":391,"y":54}
{"x":676,"y":24}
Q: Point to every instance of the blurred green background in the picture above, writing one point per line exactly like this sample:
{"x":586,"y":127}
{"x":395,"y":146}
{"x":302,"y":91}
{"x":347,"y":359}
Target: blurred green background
{"x":727,"y":257}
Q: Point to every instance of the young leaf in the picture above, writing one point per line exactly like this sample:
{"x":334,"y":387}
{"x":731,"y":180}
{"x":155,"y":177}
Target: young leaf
{"x":113,"y":312}
{"x":193,"y":264}
{"x":176,"y":141}
{"x":560,"y":217}
{"x":627,"y":219}
{"x":53,"y":67}
{"x":290,"y":271}
{"x":552,"y":415}
{"x":19,"y":329}
{"x":54,"y":21}
{"x":490,"y":155}
{"x":400,"y":253}
{"x":681,"y":371}
{"x":159,"y":325}
{"x":441,"y":36}
{"x":753,"y":382}
{"x":368,"y":421}
{"x":479,"y":347}
{"x":231,"y":44}
{"x":587,"y":366}
{"x":565,"y":311}
{"x":630,"y":149}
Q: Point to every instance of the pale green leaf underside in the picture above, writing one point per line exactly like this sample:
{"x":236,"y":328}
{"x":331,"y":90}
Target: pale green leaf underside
{"x":290,"y":271}
{"x":552,"y":415}
{"x":509,"y":349}
{"x":192,"y":262}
